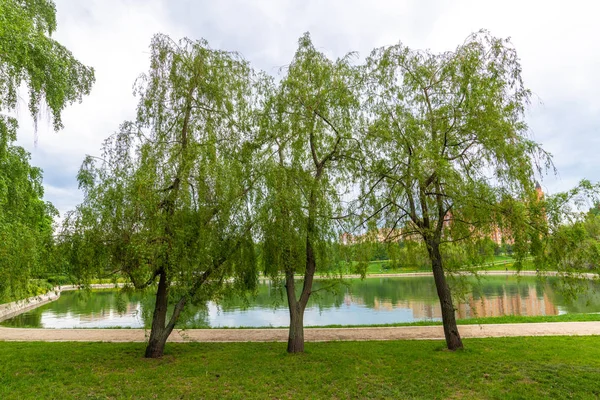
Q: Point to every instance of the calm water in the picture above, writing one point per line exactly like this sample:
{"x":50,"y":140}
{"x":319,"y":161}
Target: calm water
{"x":370,"y":301}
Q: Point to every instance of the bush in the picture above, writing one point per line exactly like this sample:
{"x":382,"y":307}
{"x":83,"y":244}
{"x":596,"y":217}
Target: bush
{"x":60,"y":280}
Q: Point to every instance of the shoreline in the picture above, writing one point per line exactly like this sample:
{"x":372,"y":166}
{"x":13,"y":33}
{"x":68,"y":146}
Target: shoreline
{"x":424,"y":273}
{"x":14,"y":308}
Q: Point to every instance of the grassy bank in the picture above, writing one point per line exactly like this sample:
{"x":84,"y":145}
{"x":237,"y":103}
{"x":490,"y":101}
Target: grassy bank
{"x":549,"y":367}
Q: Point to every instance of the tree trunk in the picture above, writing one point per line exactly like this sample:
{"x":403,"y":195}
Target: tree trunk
{"x":159,"y":332}
{"x":297,"y":306}
{"x":296,"y":333}
{"x":453,"y":340}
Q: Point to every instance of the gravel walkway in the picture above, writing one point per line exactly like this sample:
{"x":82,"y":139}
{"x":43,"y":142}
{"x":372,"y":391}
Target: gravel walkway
{"x":311,"y":334}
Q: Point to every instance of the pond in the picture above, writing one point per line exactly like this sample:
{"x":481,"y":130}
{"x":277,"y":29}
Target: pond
{"x":360,"y":302}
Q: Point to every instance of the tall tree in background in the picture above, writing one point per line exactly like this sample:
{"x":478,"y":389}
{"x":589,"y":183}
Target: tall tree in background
{"x":309,"y":125}
{"x":448,"y":156}
{"x":29,"y":57}
{"x":169,"y":198}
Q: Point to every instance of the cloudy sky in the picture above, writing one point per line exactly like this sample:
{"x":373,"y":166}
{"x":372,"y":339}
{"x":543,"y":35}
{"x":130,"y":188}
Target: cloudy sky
{"x":556,"y":40}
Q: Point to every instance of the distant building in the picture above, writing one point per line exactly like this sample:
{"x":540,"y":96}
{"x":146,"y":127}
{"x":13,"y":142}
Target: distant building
{"x":497,"y":235}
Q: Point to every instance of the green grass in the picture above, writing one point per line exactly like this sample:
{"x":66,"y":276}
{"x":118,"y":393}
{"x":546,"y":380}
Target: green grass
{"x":501,"y":263}
{"x":498,"y":263}
{"x":500,"y":368}
{"x":383,"y":267}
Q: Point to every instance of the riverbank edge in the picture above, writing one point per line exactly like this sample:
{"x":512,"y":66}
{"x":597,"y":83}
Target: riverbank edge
{"x":9,"y":310}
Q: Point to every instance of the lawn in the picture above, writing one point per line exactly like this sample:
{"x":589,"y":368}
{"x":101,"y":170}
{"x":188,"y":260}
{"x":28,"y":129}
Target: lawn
{"x":532,"y":368}
{"x":497,"y":263}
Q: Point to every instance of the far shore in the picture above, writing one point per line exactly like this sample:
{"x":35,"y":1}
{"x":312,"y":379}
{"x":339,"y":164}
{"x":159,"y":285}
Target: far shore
{"x":424,"y":273}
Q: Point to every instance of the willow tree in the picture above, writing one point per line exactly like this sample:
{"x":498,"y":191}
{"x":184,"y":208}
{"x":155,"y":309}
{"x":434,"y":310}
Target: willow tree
{"x":25,"y":223}
{"x":308,"y":124}
{"x":168,"y":199}
{"x":448,"y":153}
{"x":29,"y":58}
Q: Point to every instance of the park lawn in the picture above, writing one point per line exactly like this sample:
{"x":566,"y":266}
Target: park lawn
{"x":383,"y":267}
{"x":499,"y":368}
{"x":497,"y":263}
{"x":527,"y":265}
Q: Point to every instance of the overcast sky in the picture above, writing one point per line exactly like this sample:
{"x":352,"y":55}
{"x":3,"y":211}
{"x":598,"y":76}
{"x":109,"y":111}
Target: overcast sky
{"x":557,"y":41}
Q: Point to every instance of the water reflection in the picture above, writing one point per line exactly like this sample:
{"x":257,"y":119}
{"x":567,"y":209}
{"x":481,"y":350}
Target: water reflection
{"x":528,"y":301}
{"x":372,"y":301}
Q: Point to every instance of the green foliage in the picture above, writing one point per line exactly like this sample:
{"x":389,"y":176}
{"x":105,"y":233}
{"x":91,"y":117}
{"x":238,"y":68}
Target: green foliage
{"x":25,"y":222}
{"x":573,"y":246}
{"x":308,"y":125}
{"x":447,"y":143}
{"x":28,"y":56}
{"x":409,"y":254}
{"x":31,"y":57}
{"x":446,"y":154}
{"x":169,"y":196}
{"x":595,"y":209}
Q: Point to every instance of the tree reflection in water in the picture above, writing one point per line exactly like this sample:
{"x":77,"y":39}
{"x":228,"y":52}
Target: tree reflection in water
{"x":369,"y":301}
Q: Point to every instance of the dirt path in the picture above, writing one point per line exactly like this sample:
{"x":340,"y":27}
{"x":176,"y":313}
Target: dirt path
{"x":311,"y":335}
